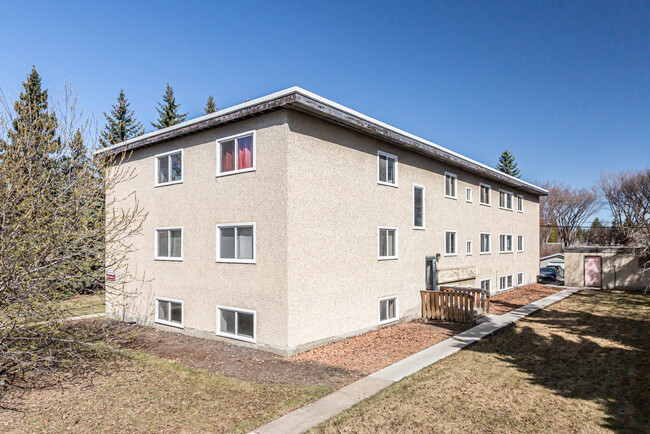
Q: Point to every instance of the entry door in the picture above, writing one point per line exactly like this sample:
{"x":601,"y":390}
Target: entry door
{"x":430,"y":273}
{"x":593,"y":271}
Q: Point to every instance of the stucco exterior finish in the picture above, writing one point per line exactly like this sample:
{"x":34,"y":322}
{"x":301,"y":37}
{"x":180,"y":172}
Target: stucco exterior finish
{"x":620,"y":268}
{"x":317,"y":207}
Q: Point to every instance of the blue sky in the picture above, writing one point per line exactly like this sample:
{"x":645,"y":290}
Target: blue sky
{"x":565,"y":86}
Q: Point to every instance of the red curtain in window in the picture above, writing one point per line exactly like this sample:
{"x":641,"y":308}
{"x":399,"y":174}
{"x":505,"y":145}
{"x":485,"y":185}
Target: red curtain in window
{"x":228,"y":156}
{"x":245,"y":152}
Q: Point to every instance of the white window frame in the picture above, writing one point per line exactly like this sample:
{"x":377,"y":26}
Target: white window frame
{"x":489,"y":196}
{"x":480,"y":244}
{"x":453,"y":175}
{"x":520,"y":279}
{"x":455,"y":243}
{"x":169,"y":323}
{"x":468,"y":252}
{"x":522,"y":243}
{"x":394,"y":157}
{"x":423,"y":207}
{"x":486,"y":280}
{"x":468,"y":194}
{"x":235,"y":137}
{"x":512,"y":200}
{"x":505,"y":276}
{"x":236,"y":336}
{"x":235,"y":260}
{"x":386,"y":258}
{"x":155,"y":244}
{"x":155,"y":168}
{"x":389,"y":320}
{"x":506,"y":243}
{"x":520,"y":197}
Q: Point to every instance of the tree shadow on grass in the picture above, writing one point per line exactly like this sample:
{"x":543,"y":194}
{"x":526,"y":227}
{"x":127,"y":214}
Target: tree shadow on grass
{"x":597,"y":351}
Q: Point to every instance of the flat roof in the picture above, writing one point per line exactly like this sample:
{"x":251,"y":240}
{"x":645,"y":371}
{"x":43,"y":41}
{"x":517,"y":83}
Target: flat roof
{"x":300,"y":99}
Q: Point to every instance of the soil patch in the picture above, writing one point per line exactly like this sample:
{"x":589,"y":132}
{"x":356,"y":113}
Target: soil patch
{"x":219,"y":357}
{"x":372,"y":351}
{"x":502,"y":303}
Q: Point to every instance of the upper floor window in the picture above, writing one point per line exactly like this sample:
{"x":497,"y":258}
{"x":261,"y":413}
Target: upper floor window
{"x":387,"y":243}
{"x":450,"y":243}
{"x":169,"y":244}
{"x":418,"y":207}
{"x":450,"y":185}
{"x":520,"y":243}
{"x":485,"y":193}
{"x":505,"y":199}
{"x":236,"y":154}
{"x":505,"y":243}
{"x":468,"y":194}
{"x":520,"y":203}
{"x":468,"y":247}
{"x":236,"y":243}
{"x":387,"y":168}
{"x":169,"y":168}
{"x":485,"y":243}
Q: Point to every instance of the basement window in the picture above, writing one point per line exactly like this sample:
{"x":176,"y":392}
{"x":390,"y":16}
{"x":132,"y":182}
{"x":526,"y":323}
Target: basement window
{"x":169,"y":312}
{"x":387,"y":310}
{"x":505,"y":282}
{"x":236,"y":323}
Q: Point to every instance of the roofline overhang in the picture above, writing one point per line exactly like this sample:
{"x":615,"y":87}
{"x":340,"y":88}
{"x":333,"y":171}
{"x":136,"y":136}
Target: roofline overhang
{"x":302,"y":100}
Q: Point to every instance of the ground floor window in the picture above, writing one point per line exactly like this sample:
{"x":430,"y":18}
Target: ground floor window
{"x":236,"y":323}
{"x":169,"y":312}
{"x":387,"y":309}
{"x":387,"y":243}
{"x":505,"y":282}
{"x":520,"y":279}
{"x":486,"y":284}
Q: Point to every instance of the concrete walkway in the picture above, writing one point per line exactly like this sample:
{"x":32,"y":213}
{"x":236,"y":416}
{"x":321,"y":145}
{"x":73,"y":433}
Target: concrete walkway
{"x":319,"y":411}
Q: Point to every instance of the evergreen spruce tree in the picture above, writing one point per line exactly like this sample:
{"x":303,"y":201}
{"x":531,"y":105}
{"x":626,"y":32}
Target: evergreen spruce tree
{"x":507,"y":164}
{"x":121,"y":123}
{"x":168,"y":114}
{"x":34,"y":124}
{"x":210,"y":106}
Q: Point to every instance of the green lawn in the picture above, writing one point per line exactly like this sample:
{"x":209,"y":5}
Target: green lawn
{"x":147,"y":394}
{"x":581,"y":365}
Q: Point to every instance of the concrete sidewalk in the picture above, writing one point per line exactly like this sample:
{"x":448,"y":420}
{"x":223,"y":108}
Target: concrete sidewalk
{"x":319,"y":411}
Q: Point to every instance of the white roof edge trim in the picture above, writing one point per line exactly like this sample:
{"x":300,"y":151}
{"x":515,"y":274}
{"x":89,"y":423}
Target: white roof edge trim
{"x":550,"y":256}
{"x":322,"y":100}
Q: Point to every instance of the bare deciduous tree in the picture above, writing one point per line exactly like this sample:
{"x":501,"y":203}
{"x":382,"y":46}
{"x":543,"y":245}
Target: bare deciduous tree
{"x":567,"y":209}
{"x":52,"y":233}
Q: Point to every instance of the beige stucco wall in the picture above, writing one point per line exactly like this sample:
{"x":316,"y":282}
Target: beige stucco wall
{"x":335,"y":208}
{"x":198,"y":204}
{"x":619,"y":270}
{"x":317,"y":207}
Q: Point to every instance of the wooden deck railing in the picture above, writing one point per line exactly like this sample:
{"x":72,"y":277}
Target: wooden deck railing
{"x":454,"y":304}
{"x":481,"y":296}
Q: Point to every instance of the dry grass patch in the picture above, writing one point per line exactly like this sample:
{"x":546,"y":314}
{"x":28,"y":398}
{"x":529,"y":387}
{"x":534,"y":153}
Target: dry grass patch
{"x":85,"y":304}
{"x":146,"y":394}
{"x":581,"y":365}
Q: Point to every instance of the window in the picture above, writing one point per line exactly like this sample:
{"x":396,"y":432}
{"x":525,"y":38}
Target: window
{"x":236,"y":243}
{"x":520,"y":203}
{"x":236,"y":154}
{"x":387,"y":169}
{"x":169,"y":312}
{"x":169,"y":244}
{"x":169,"y":168}
{"x":468,"y":194}
{"x":505,"y":282}
{"x":450,"y":185}
{"x":485,"y":243}
{"x":486,"y":284}
{"x":505,"y":243}
{"x":505,"y":200}
{"x":520,"y":279}
{"x":387,"y":243}
{"x":485,"y":193}
{"x":418,"y":207}
{"x":387,"y":310}
{"x":450,"y":243}
{"x":520,"y":243}
{"x":468,"y":247}
{"x":236,"y":323}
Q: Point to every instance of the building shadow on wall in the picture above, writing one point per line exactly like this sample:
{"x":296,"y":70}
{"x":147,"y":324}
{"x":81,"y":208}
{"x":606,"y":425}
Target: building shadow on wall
{"x":594,"y":353}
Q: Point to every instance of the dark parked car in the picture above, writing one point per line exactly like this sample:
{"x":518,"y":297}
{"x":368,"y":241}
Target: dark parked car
{"x":560,"y":271}
{"x":547,"y":274}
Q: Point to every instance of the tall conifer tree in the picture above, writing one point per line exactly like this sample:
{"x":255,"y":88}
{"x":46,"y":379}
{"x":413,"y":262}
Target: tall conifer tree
{"x":168,"y":114}
{"x":121,"y":123}
{"x":507,"y":164}
{"x":210,"y":106}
